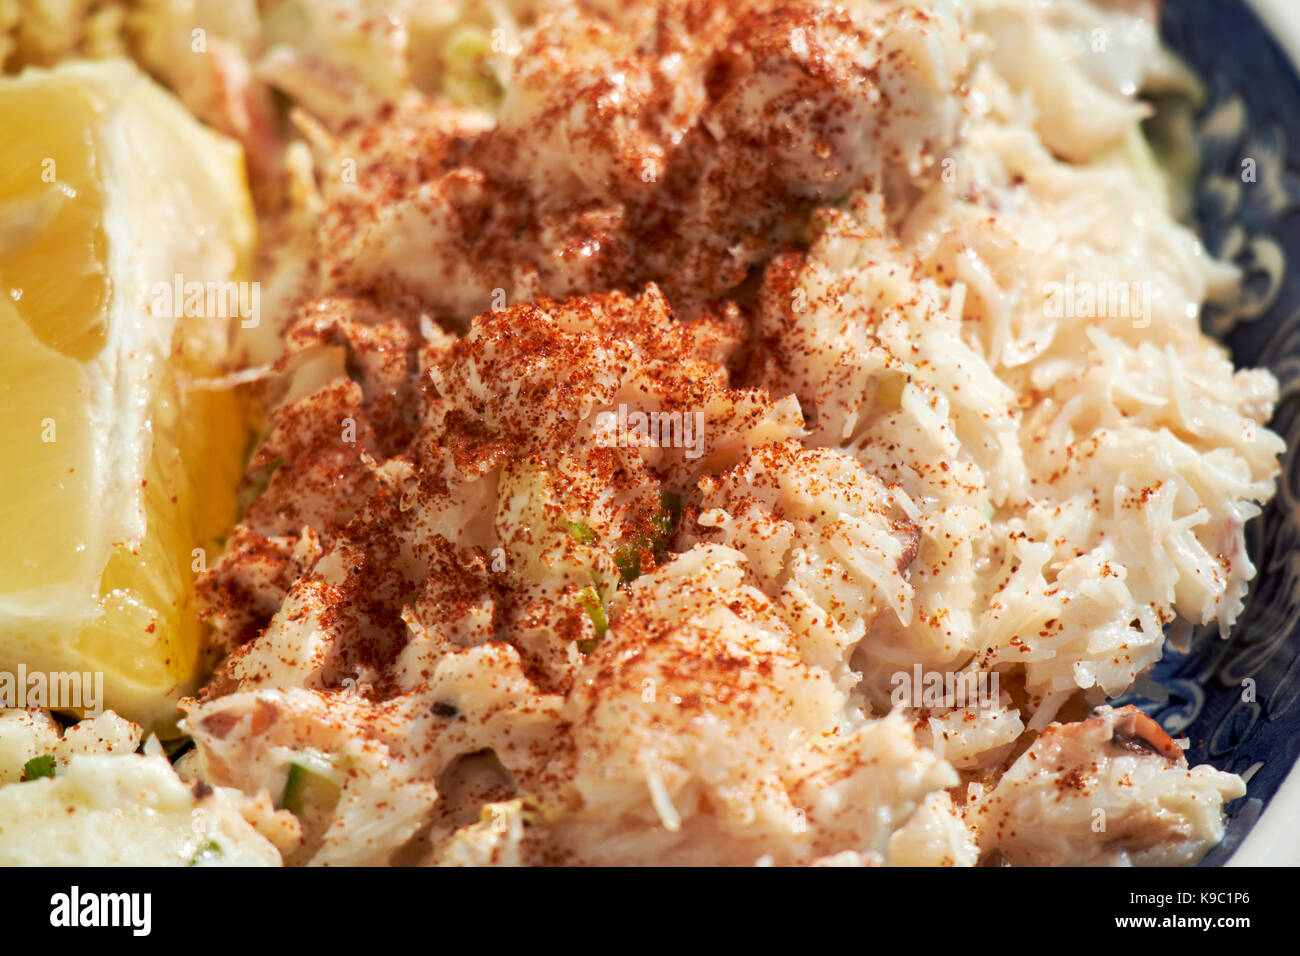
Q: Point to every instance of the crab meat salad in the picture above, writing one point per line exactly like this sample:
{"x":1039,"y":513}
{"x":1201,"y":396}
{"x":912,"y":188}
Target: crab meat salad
{"x":578,"y":432}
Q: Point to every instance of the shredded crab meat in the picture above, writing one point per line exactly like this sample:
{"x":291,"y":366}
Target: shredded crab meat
{"x":634,"y":427}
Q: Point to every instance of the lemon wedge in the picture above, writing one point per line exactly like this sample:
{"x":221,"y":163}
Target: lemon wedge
{"x":118,"y":471}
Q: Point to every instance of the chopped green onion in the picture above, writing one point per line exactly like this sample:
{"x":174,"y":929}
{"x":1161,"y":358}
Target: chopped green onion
{"x":468,"y":77}
{"x":205,"y":852}
{"x":37,"y":767}
{"x":628,"y":560}
{"x":305,"y":788}
{"x":590,"y":599}
{"x":628,"y":557}
{"x":670,"y":516}
{"x":581,"y":533}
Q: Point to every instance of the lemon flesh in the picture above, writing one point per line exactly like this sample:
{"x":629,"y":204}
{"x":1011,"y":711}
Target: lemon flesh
{"x":118,"y":473}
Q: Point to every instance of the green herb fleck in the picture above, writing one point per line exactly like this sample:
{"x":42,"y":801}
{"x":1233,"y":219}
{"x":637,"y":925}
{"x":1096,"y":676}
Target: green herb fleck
{"x":37,"y":767}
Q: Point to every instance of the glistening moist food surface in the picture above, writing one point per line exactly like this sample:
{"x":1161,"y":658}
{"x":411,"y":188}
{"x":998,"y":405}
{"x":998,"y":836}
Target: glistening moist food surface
{"x":903,"y":298}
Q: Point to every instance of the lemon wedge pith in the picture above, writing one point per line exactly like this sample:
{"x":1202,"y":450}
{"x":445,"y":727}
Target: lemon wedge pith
{"x":116,"y":467}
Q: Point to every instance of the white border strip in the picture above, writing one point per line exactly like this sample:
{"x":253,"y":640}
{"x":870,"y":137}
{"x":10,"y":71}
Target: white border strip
{"x":1273,"y":840}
